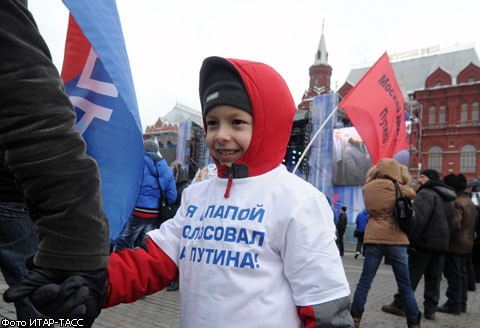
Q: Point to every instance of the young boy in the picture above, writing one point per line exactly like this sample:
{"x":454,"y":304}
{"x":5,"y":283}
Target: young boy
{"x":254,"y":246}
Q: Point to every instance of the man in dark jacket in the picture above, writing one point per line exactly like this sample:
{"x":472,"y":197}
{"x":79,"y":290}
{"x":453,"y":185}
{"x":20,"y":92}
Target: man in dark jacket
{"x":18,"y":240}
{"x":356,"y":162}
{"x":60,"y":183}
{"x":461,"y":243}
{"x":341,"y":227}
{"x":434,"y":210}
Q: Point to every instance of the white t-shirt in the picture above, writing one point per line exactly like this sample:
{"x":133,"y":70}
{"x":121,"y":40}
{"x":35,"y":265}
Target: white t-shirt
{"x":250,"y":259}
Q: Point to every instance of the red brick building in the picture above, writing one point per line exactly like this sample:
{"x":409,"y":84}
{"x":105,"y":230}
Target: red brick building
{"x":450,"y":121}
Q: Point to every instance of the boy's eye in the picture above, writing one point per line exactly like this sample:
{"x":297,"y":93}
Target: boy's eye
{"x":237,"y":122}
{"x":211,"y":122}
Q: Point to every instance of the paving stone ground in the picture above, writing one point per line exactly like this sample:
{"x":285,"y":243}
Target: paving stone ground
{"x":162,"y":309}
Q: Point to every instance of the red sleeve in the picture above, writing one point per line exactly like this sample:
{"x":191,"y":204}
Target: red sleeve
{"x":307,"y":316}
{"x":133,"y":273}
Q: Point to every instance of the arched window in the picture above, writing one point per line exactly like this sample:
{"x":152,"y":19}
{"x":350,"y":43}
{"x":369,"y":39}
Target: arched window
{"x":475,"y":114}
{"x":441,"y":116}
{"x":435,"y":158}
{"x":464,"y":114}
{"x":468,"y":159}
{"x":431,"y":117}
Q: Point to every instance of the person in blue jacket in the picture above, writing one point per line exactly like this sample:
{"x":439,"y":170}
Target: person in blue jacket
{"x":361,"y":221}
{"x":145,"y":217}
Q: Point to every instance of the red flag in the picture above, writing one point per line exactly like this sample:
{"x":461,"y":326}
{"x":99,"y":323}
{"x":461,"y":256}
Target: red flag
{"x":376,"y":108}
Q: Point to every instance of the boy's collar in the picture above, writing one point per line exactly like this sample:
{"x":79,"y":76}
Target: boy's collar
{"x":236,"y":171}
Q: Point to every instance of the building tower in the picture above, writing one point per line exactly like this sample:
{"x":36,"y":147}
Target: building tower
{"x":320,"y":75}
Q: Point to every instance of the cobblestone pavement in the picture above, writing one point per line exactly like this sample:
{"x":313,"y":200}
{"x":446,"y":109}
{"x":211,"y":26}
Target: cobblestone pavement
{"x":162,"y":310}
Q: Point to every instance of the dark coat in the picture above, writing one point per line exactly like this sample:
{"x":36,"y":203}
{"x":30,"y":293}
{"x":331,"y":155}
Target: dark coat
{"x":342,"y":223}
{"x":434,"y":212}
{"x":464,"y":227}
{"x":181,"y":182}
{"x":44,"y":152}
{"x":355,"y":164}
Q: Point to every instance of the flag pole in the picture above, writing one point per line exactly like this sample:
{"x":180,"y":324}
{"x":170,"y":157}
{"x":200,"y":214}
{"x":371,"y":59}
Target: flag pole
{"x":313,"y":138}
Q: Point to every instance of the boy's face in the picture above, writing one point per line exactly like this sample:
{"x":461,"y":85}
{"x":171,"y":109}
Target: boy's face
{"x":229,"y":132}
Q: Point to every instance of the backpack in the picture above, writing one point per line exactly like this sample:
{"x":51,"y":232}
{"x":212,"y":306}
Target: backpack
{"x":404,"y":214}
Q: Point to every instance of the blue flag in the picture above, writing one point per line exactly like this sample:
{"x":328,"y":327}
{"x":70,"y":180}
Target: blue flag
{"x":98,"y":80}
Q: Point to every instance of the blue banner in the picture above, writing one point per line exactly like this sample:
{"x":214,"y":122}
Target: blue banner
{"x":320,"y":159}
{"x":98,"y":80}
{"x":183,"y":143}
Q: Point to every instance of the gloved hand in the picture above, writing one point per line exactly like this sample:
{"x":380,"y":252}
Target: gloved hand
{"x":97,"y":283}
{"x":65,"y":300}
{"x":62,"y":294}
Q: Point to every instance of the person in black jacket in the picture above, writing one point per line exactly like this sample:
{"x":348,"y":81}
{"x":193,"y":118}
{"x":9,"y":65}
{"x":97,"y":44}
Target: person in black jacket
{"x":476,"y":248}
{"x":341,"y":228}
{"x":461,"y":243}
{"x":356,"y":162}
{"x":434,"y":211}
{"x":18,"y":240}
{"x":60,"y":183}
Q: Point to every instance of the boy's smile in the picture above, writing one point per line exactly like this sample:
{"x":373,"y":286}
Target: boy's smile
{"x":229,"y":132}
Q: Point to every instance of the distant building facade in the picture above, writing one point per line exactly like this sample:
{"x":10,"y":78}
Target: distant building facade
{"x":165,"y":130}
{"x":442,"y":97}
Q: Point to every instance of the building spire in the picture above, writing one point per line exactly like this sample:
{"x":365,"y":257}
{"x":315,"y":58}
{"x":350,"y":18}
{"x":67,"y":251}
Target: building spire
{"x":320,"y":75}
{"x":321,"y":57}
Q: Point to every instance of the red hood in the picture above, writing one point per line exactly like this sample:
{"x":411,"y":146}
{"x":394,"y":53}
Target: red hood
{"x":273,"y":111}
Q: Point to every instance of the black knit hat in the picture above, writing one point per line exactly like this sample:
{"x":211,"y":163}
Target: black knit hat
{"x":221,"y":84}
{"x":457,"y":182}
{"x":431,"y":174}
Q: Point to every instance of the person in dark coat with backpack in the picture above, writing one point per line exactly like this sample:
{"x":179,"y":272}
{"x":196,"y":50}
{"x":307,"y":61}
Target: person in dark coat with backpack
{"x":434,"y":211}
{"x":156,"y":174}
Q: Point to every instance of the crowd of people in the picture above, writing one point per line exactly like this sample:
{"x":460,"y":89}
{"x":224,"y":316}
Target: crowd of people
{"x":442,"y":243}
{"x":244,"y":229}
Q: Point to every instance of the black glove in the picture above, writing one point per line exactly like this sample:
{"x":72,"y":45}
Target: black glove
{"x":63,"y":294}
{"x":97,"y":283}
{"x":65,"y":300}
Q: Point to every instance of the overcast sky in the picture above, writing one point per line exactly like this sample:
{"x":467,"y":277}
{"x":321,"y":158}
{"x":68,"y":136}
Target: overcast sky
{"x":168,"y":39}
